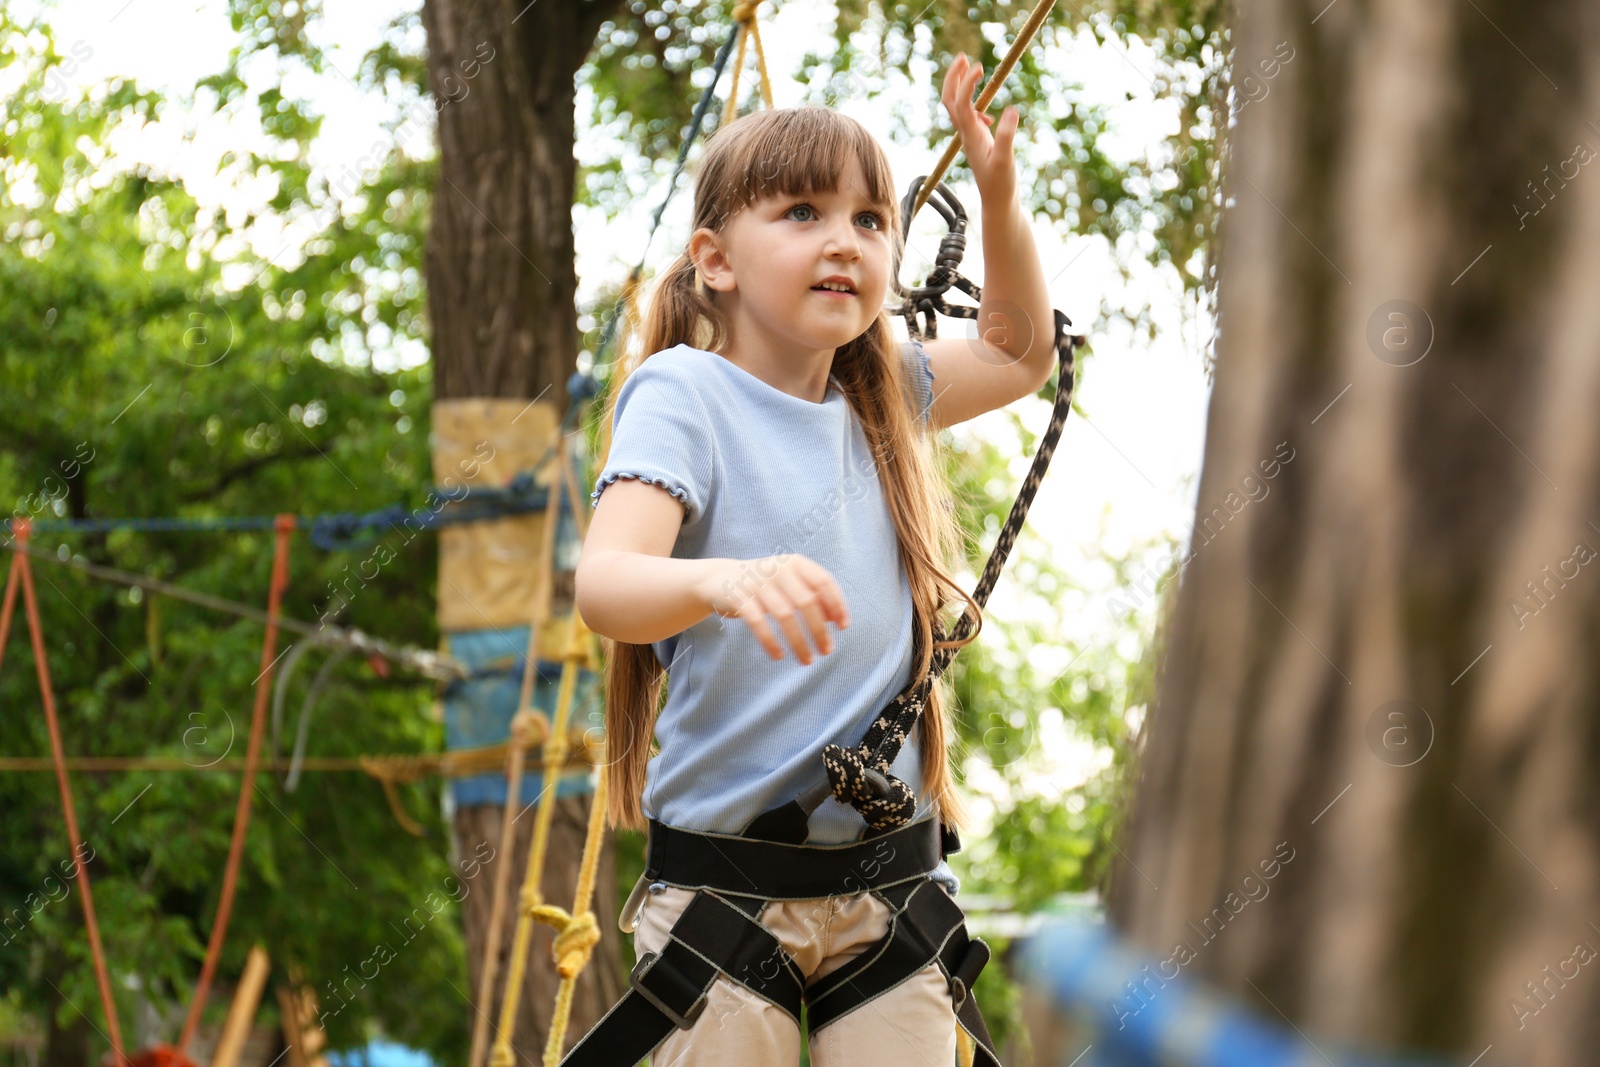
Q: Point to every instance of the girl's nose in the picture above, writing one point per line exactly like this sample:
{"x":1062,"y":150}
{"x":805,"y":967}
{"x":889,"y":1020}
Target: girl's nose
{"x":843,"y":240}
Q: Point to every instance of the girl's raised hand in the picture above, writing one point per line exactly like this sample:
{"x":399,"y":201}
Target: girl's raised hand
{"x":792,"y":589}
{"x":991,"y":158}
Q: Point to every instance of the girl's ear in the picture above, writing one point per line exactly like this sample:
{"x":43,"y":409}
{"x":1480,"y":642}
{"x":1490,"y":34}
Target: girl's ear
{"x":711,"y":261}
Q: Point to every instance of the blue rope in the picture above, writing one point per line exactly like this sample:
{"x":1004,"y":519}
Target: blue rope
{"x":609,"y":333}
{"x":341,"y":530}
{"x":1132,"y":1014}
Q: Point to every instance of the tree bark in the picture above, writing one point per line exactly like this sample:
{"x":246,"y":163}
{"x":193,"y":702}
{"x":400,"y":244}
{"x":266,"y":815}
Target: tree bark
{"x":1377,"y":665}
{"x":501,"y":288}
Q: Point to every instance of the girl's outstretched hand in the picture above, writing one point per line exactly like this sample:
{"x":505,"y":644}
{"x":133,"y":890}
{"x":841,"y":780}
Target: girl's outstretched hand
{"x":796,"y":591}
{"x":992,"y":159}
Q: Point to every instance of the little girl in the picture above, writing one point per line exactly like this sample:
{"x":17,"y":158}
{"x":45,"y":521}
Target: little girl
{"x":771,"y":475}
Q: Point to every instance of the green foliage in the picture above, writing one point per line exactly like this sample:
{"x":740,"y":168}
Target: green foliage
{"x":152,"y":367}
{"x":650,"y":64}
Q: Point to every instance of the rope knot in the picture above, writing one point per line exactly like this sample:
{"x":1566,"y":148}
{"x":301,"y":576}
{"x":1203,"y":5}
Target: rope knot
{"x":575,"y":937}
{"x":528,"y":724}
{"x":886,"y":802}
{"x":745,"y":11}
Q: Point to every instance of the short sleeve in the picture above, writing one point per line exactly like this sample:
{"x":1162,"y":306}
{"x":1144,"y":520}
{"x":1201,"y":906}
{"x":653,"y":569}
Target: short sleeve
{"x":919,"y":373}
{"x":660,"y":434}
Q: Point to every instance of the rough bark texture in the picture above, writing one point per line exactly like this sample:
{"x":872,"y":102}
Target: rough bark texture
{"x":1432,"y":540}
{"x":501,"y":287}
{"x":501,"y":279}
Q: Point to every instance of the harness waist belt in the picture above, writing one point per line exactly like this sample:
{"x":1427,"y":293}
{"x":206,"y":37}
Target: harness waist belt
{"x":773,"y":870}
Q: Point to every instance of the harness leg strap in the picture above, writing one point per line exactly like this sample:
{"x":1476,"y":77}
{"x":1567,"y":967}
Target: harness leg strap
{"x":714,"y":935}
{"x":926,"y":927}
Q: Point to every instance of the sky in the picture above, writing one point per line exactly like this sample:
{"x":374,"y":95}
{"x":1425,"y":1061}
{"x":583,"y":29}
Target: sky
{"x":1124,"y":473}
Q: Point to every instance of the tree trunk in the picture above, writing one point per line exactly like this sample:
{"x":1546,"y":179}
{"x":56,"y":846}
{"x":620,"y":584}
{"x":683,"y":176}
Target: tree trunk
{"x":501,"y":285}
{"x":1370,"y":787}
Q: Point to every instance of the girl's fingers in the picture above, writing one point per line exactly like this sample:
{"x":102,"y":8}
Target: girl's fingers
{"x":1007,"y":127}
{"x":838,"y":611}
{"x":790,"y":623}
{"x":756,"y":619}
{"x":811,"y":608}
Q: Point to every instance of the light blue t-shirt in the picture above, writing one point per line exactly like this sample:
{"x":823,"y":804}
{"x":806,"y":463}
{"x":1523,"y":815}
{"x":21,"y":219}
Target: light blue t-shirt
{"x":761,"y":473}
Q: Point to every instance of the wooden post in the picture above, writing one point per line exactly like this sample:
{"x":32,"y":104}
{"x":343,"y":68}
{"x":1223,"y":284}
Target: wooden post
{"x":242,"y":1012}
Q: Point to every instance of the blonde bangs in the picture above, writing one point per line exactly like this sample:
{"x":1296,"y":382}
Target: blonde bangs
{"x":798,"y":151}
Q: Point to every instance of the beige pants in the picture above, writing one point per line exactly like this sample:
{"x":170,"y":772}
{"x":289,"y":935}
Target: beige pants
{"x":912,"y":1025}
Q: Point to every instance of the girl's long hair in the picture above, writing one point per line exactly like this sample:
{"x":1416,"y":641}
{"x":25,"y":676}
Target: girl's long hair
{"x":793,"y":152}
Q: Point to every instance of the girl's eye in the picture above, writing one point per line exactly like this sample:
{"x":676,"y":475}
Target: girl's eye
{"x":801,"y":207}
{"x":877,"y":219}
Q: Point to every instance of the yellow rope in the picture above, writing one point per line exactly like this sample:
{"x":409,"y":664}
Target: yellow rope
{"x":992,"y":86}
{"x":391,"y":771}
{"x":744,"y":13}
{"x":522,"y":724}
{"x":572,"y":955}
{"x":577,"y":932}
{"x":402,"y":769}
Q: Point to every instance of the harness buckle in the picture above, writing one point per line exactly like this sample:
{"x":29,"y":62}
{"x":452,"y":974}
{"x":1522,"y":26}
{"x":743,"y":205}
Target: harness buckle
{"x":645,"y":966}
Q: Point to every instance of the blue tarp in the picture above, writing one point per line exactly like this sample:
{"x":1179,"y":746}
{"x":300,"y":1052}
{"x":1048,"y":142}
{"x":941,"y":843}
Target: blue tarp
{"x":478,"y":712}
{"x":381,"y":1054}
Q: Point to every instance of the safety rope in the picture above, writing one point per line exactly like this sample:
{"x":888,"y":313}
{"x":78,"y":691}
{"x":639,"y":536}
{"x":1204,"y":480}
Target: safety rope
{"x":284,"y":528}
{"x":744,"y":16}
{"x":21,"y":530}
{"x":859,"y":775}
{"x":991,"y":87}
{"x":579,"y":935}
{"x":577,"y":931}
{"x":390,"y":771}
{"x":520,"y":723}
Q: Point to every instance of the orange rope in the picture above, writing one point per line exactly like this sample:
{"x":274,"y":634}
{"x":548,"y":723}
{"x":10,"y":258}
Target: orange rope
{"x":284,"y":526}
{"x":19,"y":566}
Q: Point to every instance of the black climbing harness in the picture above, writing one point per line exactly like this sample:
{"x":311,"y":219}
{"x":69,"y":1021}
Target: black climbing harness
{"x":736,"y":876}
{"x":720,"y":933}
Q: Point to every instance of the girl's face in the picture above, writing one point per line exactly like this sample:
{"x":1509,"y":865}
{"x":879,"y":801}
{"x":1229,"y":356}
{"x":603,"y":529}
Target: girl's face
{"x":768,"y":260}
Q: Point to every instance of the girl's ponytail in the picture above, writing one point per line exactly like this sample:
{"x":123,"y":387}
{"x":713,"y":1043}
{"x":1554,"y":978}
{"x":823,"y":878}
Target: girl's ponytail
{"x":682,"y":312}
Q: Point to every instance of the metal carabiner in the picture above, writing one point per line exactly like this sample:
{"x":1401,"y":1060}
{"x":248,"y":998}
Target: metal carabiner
{"x":628,"y":920}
